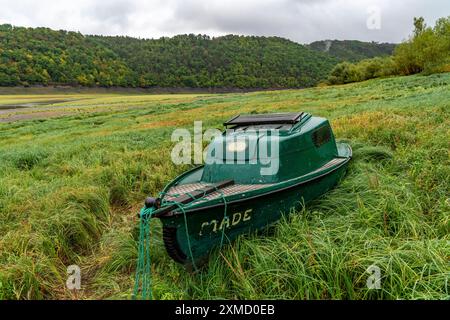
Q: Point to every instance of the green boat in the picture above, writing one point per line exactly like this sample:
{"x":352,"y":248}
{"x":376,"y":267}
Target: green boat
{"x":261,"y":167}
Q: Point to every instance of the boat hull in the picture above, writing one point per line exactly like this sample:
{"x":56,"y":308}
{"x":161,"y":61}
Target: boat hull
{"x":200,"y":230}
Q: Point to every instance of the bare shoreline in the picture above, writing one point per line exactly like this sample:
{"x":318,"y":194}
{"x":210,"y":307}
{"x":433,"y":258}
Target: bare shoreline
{"x":124,"y":90}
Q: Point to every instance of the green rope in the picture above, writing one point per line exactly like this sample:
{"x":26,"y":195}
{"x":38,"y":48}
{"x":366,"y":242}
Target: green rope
{"x":186,"y":228}
{"x":225,"y":204}
{"x":179,"y":205}
{"x":143,"y":276}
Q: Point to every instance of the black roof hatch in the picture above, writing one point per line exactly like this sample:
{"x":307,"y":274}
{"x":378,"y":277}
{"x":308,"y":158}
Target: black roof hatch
{"x":261,"y":119}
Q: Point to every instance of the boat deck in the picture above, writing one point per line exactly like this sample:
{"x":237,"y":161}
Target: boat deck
{"x":176,"y":191}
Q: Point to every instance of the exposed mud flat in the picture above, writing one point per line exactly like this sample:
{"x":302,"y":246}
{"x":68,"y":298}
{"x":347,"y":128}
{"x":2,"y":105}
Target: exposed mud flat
{"x":34,"y":115}
{"x":37,"y":110}
{"x":4,"y":108}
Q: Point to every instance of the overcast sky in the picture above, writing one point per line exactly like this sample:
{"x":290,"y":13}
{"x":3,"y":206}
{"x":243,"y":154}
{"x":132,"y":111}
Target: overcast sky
{"x":303,"y":21}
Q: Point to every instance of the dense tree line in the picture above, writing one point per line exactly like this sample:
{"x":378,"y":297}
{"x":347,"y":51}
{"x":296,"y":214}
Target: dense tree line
{"x":228,"y":61}
{"x":353,"y":50}
{"x":43,"y":56}
{"x":30,"y":56}
{"x":426,"y":51}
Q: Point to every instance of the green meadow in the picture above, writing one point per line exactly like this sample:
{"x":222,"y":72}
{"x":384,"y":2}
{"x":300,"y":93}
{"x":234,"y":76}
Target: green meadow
{"x":76,"y":167}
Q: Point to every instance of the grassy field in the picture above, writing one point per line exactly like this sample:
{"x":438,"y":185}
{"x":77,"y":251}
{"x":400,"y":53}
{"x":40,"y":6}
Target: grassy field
{"x":74,"y":171}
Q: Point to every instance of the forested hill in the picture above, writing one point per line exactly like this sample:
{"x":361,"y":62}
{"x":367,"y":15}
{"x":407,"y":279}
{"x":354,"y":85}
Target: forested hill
{"x":33,"y":56}
{"x":228,"y":61}
{"x":41,"y":56}
{"x":353,"y":50}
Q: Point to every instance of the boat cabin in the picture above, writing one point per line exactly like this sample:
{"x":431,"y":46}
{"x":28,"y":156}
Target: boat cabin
{"x":269,"y":148}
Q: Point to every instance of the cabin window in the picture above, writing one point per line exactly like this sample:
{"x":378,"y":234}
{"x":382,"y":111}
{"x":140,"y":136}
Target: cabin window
{"x":321,"y":136}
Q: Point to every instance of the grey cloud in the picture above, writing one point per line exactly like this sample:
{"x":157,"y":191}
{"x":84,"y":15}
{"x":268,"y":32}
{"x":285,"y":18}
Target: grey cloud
{"x":299,"y":20}
{"x":116,"y":13}
{"x":305,"y":20}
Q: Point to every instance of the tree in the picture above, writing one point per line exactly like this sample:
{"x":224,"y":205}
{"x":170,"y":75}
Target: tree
{"x":426,"y":51}
{"x":419,"y":26}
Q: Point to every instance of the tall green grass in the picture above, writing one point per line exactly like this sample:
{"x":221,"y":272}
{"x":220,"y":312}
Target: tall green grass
{"x":70,"y":188}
